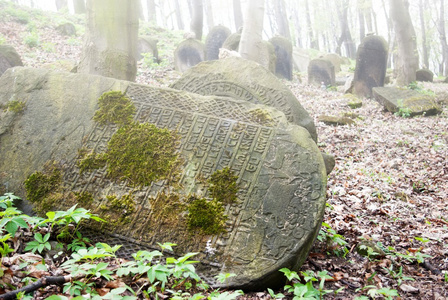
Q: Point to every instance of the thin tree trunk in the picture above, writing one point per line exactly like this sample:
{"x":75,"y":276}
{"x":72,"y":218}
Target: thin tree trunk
{"x":298,"y":29}
{"x":346,"y":37}
{"x":312,"y":41}
{"x":180,"y":22}
{"x":362,"y":27}
{"x":281,"y":18}
{"x":251,"y":39}
{"x":443,"y":40}
{"x":238,"y":14}
{"x":197,"y":19}
{"x":423,"y":29}
{"x":152,"y":15}
{"x":209,"y":14}
{"x":79,"y":6}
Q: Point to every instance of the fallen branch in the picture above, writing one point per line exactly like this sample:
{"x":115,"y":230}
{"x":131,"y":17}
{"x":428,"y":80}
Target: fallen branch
{"x":44,"y":281}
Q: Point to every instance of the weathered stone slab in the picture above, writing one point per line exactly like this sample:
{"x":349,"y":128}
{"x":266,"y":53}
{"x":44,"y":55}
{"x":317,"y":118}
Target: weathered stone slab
{"x":335,"y":120}
{"x":283,"y":53}
{"x":424,"y":75}
{"x":321,"y":72}
{"x":393,"y":99}
{"x":232,"y":42}
{"x":215,"y":39}
{"x":246,"y":80}
{"x":371,"y":66}
{"x":8,"y":58}
{"x":280,"y":173}
{"x":188,"y":53}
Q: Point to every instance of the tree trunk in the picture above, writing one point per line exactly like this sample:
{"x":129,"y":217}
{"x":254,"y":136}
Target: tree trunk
{"x":197,"y":18}
{"x":390,"y":40}
{"x":251,"y":39}
{"x":362,"y":27}
{"x":312,"y":40}
{"x":180,"y":22}
{"x":407,"y":56}
{"x":443,"y":40}
{"x":238,"y":15}
{"x":423,"y":29}
{"x":346,"y":37}
{"x":152,"y":15}
{"x":297,"y":27}
{"x":110,"y":45}
{"x":209,"y":14}
{"x":79,"y":6}
{"x":61,"y":4}
{"x":281,"y":18}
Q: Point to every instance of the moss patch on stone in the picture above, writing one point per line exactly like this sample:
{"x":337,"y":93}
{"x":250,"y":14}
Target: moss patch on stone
{"x":114,"y":107}
{"x":206,"y":216}
{"x":261,"y":116}
{"x":83,"y":198}
{"x":142,"y":153}
{"x":15,"y":106}
{"x":90,"y":160}
{"x":223,"y":186}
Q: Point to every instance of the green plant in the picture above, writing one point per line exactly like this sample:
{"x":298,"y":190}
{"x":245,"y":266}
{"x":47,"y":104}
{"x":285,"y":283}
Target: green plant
{"x":302,"y":286}
{"x":222,"y":277}
{"x":2,"y":39}
{"x":373,"y":291}
{"x":398,"y":275}
{"x":32,"y":39}
{"x":39,"y":244}
{"x":333,"y":241}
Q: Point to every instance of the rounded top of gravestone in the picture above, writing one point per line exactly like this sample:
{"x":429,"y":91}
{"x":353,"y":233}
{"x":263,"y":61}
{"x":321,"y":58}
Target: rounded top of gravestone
{"x":232,"y":42}
{"x":281,"y":41}
{"x":188,"y":53}
{"x":246,"y":80}
{"x":335,"y":59}
{"x":215,"y":39}
{"x":67,"y":29}
{"x":425,"y":75}
{"x":8,"y":58}
{"x":374,"y":42}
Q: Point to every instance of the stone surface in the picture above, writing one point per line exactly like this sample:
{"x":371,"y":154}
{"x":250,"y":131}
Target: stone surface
{"x":283,"y":53}
{"x":246,"y":80}
{"x":281,"y":174}
{"x":424,"y":75}
{"x":371,"y":66}
{"x":301,"y":59}
{"x":232,"y":42}
{"x":147,"y":44}
{"x":8,"y":58}
{"x":215,"y":39}
{"x":321,"y":71}
{"x":393,"y":99}
{"x":67,"y":29}
{"x":335,"y":120}
{"x":188,"y":53}
{"x":336,"y":60}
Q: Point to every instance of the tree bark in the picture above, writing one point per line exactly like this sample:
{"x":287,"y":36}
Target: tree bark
{"x":297,"y":27}
{"x":79,"y":6}
{"x":312,"y":40}
{"x":61,"y":4}
{"x":238,"y":14}
{"x":443,"y":40}
{"x":110,"y":45}
{"x":281,"y":18}
{"x":152,"y":15}
{"x":346,"y":37}
{"x":209,"y":14}
{"x":251,"y":39}
{"x":423,"y":30}
{"x":407,"y":55}
{"x":362,"y":26}
{"x":180,"y":22}
{"x":197,"y":19}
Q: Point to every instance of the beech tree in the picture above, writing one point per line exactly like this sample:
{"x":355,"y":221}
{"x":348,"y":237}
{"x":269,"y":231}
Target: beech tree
{"x":443,"y":68}
{"x":346,"y":37}
{"x":237,"y":14}
{"x":251,"y":37}
{"x":406,"y":60}
{"x":281,"y":18}
{"x":110,"y":44}
{"x":197,"y":18}
{"x":152,"y":15}
{"x":79,"y":6}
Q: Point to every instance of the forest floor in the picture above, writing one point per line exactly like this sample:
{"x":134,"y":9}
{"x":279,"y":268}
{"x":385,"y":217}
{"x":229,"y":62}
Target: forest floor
{"x":389,"y":186}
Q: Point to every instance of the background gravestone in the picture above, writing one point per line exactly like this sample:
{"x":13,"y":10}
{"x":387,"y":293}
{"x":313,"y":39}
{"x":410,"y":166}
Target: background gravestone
{"x":8,"y":58}
{"x":321,"y":71}
{"x":267,"y":56}
{"x":67,"y":29}
{"x":336,"y":60}
{"x":147,"y":44}
{"x":246,"y":80}
{"x":188,"y":53}
{"x":232,"y":42}
{"x":283,"y":53}
{"x":280,"y":173}
{"x":424,"y":75}
{"x":215,"y":39}
{"x":371,"y":66}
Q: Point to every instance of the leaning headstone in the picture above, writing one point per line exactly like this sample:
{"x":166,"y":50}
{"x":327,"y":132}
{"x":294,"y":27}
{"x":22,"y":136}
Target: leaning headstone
{"x":406,"y":101}
{"x":267,"y":56}
{"x":321,"y":72}
{"x":67,"y":29}
{"x":8,"y":58}
{"x":371,"y":66}
{"x":188,"y":53}
{"x":232,"y":42}
{"x":336,"y":60}
{"x":147,"y":44}
{"x":65,"y":133}
{"x":424,"y":75}
{"x":215,"y":39}
{"x":283,"y":60}
{"x":244,"y":79}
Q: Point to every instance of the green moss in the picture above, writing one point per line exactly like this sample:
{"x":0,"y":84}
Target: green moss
{"x":15,"y":106}
{"x":41,"y":187}
{"x":223,"y":186}
{"x":114,"y":107}
{"x":142,"y":153}
{"x":124,"y":205}
{"x":90,"y":160}
{"x":206,"y":216}
{"x":83,"y":198}
{"x":260,"y":116}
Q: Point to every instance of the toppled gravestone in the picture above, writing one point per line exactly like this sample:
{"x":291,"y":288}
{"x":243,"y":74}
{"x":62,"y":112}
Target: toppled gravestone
{"x":321,"y":72}
{"x":188,"y":53}
{"x":371,"y":66}
{"x":246,"y":80}
{"x":66,"y":130}
{"x":215,"y":39}
{"x":406,"y":101}
{"x":283,"y":53}
{"x":8,"y":58}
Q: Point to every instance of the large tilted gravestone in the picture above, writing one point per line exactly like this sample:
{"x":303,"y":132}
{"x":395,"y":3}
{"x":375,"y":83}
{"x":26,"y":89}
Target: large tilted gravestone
{"x":246,"y":80}
{"x":371,"y":66}
{"x":215,"y":39}
{"x":406,"y":101}
{"x":188,"y":53}
{"x":8,"y":58}
{"x":280,"y":173}
{"x":283,"y":53}
{"x":321,"y":72}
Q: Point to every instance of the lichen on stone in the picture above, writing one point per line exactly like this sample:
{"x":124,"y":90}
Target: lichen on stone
{"x":15,"y":106}
{"x":261,"y":116}
{"x":223,"y":186}
{"x":115,"y":108}
{"x":89,"y":160}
